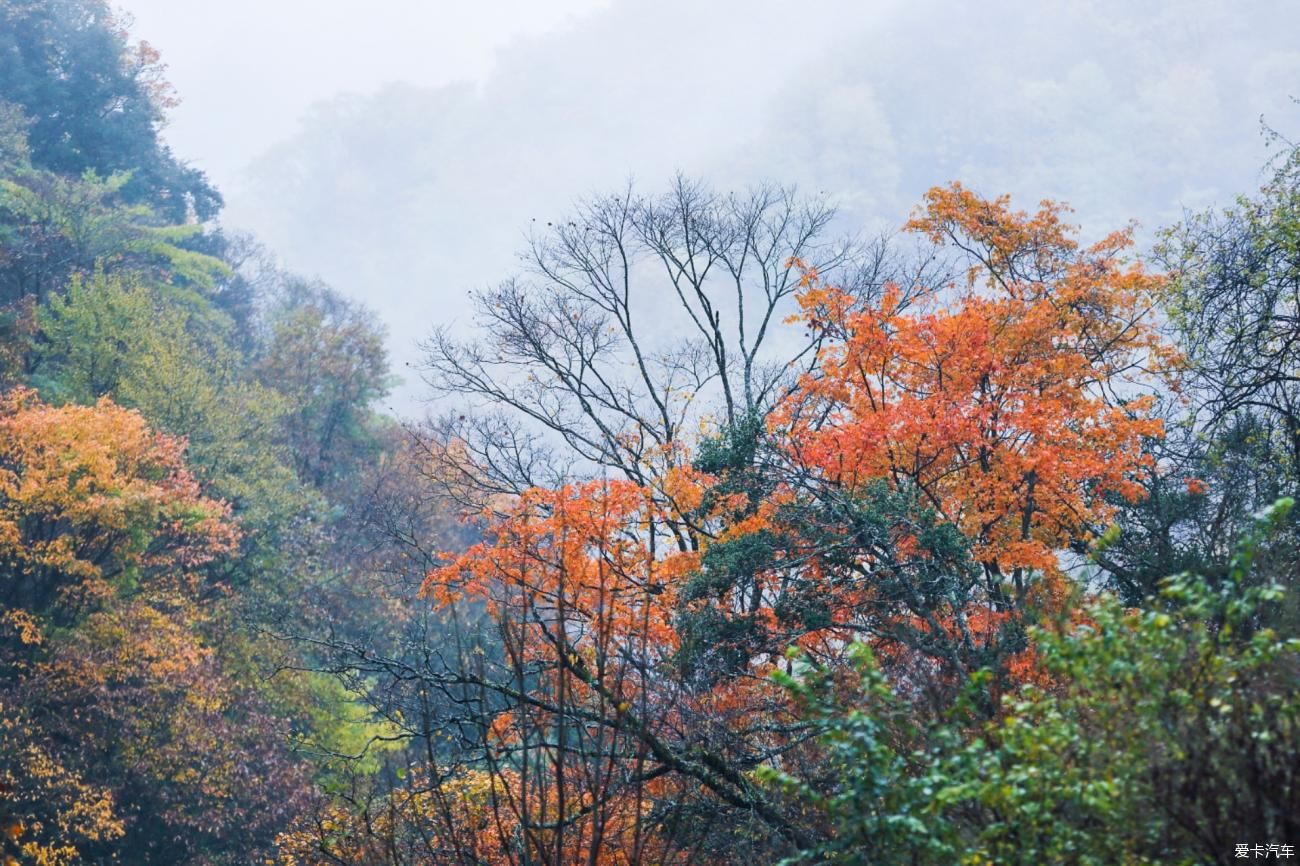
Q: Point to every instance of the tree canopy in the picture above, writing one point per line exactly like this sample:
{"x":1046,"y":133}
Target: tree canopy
{"x":730,"y":540}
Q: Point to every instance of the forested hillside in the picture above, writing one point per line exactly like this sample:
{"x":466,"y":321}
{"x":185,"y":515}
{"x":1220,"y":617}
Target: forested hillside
{"x":731,"y":540}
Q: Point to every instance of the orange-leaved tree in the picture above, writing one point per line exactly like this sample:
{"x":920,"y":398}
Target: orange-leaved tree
{"x":585,"y":604}
{"x":145,"y":740}
{"x":90,"y":499}
{"x":602,"y":750}
{"x":1012,"y":403}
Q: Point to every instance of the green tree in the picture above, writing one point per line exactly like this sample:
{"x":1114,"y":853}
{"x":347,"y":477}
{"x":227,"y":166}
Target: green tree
{"x":53,"y":227}
{"x":1168,"y":735}
{"x":1233,"y":301}
{"x":162,"y":350}
{"x":326,"y":356}
{"x":96,"y":102}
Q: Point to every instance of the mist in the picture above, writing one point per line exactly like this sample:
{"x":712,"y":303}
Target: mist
{"x":676,"y":433}
{"x":403,"y":157}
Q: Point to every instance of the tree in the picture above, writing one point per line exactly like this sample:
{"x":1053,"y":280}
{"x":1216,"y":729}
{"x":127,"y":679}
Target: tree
{"x":326,"y":356}
{"x":593,"y":737}
{"x":1169,"y":736}
{"x":148,"y":697}
{"x":455,"y":820}
{"x":1232,"y":306}
{"x":998,"y":428}
{"x":163,"y":351}
{"x":583,"y":367}
{"x":158,"y":711}
{"x":638,"y":318}
{"x":1234,"y":303}
{"x":48,"y":811}
{"x":103,"y":533}
{"x":91,"y":500}
{"x":1012,"y":412}
{"x":151,"y":729}
{"x":55,"y":227}
{"x":96,"y":102}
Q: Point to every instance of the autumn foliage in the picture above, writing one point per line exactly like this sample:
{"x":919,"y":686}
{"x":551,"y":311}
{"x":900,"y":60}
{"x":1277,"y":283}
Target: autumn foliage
{"x":583,"y":600}
{"x":772,"y":547}
{"x":1013,"y":406}
{"x":1012,"y":402}
{"x":103,"y":534}
{"x":90,"y":498}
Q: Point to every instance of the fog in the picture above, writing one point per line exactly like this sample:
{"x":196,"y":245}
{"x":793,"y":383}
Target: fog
{"x":402,"y":154}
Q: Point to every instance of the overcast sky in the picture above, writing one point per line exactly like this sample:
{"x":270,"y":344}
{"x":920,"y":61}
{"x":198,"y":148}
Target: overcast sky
{"x":400,"y":151}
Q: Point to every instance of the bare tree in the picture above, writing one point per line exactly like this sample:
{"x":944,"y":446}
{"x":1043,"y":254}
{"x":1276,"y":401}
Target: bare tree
{"x":635,"y":320}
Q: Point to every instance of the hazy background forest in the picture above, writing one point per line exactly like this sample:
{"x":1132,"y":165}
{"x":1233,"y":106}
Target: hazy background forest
{"x":403,"y":155}
{"x":647,"y":433}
